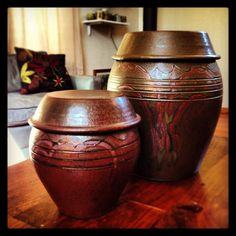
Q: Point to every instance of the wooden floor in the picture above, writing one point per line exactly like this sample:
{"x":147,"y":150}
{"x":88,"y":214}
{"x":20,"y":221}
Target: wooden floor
{"x":197,"y":202}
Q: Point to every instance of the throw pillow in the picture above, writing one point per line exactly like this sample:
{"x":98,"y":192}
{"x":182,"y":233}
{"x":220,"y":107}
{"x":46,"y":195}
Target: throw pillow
{"x":42,"y":72}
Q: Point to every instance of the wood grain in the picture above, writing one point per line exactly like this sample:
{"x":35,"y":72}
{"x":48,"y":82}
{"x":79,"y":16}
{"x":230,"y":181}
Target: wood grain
{"x":198,"y":202}
{"x":224,"y":110}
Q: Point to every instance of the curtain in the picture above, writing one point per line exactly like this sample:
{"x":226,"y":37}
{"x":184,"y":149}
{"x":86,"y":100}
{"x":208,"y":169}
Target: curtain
{"x":55,"y":30}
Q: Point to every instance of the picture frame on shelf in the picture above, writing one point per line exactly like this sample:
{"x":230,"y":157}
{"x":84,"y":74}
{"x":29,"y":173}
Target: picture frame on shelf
{"x":102,"y":76}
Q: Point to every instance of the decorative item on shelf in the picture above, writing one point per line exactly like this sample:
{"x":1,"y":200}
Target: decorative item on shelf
{"x":91,"y":16}
{"x":104,"y":13}
{"x":100,"y":14}
{"x":174,"y":83}
{"x":108,"y":16}
{"x":123,"y":18}
{"x":84,"y":146}
{"x":117,"y":18}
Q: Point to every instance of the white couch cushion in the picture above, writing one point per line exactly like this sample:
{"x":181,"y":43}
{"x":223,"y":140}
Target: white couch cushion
{"x":22,"y":107}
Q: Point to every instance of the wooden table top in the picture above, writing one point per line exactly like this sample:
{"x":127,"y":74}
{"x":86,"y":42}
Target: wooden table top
{"x":197,"y":202}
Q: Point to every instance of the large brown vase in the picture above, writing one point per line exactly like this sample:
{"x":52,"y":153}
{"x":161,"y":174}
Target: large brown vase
{"x":173,"y":82}
{"x":84,"y":146}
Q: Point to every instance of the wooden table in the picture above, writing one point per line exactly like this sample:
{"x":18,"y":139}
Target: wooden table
{"x":197,"y":202}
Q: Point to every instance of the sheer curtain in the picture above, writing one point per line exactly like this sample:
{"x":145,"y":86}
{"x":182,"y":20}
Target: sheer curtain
{"x":55,"y":30}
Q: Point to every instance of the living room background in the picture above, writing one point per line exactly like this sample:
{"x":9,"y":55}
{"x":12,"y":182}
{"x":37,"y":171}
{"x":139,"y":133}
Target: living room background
{"x":60,"y":30}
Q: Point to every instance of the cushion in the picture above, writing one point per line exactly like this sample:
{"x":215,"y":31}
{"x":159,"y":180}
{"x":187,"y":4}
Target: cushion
{"x":13,"y":75}
{"x":85,"y":82}
{"x":42,"y":72}
{"x":21,"y":107}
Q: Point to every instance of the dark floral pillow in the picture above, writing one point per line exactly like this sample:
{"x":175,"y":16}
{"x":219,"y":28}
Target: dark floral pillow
{"x":42,"y":72}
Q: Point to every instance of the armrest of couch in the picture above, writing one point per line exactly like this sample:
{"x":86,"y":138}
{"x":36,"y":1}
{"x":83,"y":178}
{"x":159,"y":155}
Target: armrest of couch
{"x":87,"y":82}
{"x":82,"y":81}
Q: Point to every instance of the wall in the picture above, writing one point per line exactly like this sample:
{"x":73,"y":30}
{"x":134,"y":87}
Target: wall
{"x":212,"y":20}
{"x":98,"y":48}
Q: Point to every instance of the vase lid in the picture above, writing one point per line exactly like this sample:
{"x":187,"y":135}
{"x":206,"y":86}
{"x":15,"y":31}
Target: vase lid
{"x":84,"y":111}
{"x":165,"y":45}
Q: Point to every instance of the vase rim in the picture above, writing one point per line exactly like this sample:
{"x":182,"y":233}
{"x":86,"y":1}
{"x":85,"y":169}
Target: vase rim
{"x":166,"y":45}
{"x":84,"y":111}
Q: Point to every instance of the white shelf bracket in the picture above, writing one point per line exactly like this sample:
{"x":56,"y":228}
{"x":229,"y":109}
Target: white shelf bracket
{"x":89,"y":30}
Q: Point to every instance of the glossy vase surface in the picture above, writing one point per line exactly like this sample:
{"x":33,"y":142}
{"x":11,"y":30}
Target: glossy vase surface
{"x":175,"y":85}
{"x":84,"y":146}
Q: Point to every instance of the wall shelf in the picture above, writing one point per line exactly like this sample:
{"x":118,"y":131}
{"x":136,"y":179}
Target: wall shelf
{"x":90,"y":23}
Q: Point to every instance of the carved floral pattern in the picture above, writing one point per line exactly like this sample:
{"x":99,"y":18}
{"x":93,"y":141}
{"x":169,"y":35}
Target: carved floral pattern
{"x":164,"y":71}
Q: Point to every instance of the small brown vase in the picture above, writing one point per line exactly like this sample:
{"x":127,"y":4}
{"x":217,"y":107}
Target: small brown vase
{"x":84,"y":146}
{"x":173,"y":82}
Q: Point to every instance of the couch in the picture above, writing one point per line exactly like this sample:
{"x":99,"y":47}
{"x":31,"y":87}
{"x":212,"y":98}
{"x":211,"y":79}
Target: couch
{"x":22,"y":106}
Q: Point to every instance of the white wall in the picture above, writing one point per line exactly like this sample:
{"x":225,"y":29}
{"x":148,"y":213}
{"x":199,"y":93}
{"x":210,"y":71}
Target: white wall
{"x":98,"y":48}
{"x":212,"y":20}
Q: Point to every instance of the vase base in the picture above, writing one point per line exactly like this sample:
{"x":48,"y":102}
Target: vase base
{"x":161,"y":179}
